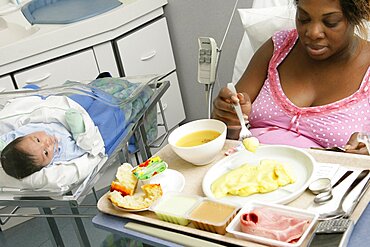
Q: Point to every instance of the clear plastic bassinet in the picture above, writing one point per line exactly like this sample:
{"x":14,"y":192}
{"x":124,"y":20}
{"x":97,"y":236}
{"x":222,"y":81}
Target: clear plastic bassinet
{"x":146,"y":87}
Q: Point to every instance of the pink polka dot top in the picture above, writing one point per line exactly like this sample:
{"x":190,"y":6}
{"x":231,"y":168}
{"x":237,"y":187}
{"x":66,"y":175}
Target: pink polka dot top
{"x":276,"y":120}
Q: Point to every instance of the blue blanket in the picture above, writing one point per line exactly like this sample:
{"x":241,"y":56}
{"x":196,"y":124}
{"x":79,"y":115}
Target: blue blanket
{"x":112,"y":121}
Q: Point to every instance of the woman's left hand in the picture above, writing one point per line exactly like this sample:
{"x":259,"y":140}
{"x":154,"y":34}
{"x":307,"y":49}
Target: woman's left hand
{"x":354,"y":146}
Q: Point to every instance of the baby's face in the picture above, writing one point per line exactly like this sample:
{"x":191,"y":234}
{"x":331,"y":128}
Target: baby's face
{"x":40,"y":145}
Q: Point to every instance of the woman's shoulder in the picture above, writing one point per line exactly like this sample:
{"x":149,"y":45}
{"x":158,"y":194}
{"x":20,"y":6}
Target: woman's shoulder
{"x":362,"y":56}
{"x":284,"y":33}
{"x":282,"y":36}
{"x":283,"y":41}
{"x":366,"y":49}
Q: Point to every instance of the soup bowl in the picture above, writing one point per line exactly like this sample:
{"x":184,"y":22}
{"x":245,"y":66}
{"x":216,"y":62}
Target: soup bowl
{"x":206,"y":151}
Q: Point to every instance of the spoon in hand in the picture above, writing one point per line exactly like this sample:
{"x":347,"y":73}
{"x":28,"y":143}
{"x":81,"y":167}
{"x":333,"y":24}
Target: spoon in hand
{"x":244,"y":132}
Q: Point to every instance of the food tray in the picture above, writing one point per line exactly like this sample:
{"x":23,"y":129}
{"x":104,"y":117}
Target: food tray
{"x":194,"y":176}
{"x":65,"y":11}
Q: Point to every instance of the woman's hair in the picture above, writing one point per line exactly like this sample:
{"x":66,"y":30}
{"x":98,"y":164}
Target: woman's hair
{"x":357,"y":13}
{"x":16,"y":162}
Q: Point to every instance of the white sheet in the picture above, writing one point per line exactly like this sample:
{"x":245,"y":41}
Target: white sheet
{"x":21,"y":111}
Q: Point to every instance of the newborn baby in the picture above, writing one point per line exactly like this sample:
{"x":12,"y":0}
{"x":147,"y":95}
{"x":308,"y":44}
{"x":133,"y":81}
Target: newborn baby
{"x":36,"y":145}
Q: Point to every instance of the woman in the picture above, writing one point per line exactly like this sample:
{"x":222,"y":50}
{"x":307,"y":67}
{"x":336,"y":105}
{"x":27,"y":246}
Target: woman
{"x":307,"y":87}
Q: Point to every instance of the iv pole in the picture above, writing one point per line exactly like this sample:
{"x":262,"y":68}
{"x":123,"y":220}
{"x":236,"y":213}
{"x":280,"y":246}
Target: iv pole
{"x":209,"y":87}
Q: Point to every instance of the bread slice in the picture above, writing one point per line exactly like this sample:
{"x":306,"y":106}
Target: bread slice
{"x":153,"y":191}
{"x":125,"y":181}
{"x":137,"y":202}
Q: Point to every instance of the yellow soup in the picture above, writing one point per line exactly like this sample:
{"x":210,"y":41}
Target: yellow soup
{"x":197,"y":138}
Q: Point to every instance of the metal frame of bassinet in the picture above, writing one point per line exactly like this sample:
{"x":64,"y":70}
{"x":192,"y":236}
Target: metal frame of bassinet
{"x":72,"y":199}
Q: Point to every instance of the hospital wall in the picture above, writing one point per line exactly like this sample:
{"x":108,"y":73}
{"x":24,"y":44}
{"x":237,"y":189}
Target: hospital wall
{"x":190,"y":19}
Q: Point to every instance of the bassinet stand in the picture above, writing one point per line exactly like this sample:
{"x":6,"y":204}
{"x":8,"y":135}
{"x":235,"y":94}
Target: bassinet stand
{"x":73,"y":198}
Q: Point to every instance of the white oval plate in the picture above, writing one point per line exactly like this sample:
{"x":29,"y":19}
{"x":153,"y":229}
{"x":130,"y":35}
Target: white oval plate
{"x":301,"y":162}
{"x":170,"y":180}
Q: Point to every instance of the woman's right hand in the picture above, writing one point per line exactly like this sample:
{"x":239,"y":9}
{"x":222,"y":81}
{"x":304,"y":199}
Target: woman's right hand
{"x":223,"y":109}
{"x":354,"y":146}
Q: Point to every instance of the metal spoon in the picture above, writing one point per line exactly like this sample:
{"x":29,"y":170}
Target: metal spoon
{"x":357,"y":200}
{"x":338,"y":212}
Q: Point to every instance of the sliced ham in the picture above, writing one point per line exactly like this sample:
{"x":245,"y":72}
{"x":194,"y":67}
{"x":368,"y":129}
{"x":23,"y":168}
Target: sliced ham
{"x":272,"y":224}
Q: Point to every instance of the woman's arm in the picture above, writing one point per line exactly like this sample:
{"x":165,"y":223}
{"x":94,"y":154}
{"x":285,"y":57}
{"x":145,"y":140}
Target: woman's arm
{"x":248,"y":88}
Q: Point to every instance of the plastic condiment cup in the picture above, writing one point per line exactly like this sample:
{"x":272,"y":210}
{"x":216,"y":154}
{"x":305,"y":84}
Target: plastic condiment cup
{"x":173,"y":207}
{"x":320,"y":185}
{"x":212,"y":216}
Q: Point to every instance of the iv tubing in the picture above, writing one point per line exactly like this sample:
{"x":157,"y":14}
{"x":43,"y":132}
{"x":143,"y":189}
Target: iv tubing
{"x":209,"y":87}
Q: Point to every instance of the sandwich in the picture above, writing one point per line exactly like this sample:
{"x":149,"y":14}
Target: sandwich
{"x":139,"y":201}
{"x":122,"y":190}
{"x":125,"y":182}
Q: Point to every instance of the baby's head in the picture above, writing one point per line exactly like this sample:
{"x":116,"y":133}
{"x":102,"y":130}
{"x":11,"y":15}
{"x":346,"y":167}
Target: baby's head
{"x":28,"y":154}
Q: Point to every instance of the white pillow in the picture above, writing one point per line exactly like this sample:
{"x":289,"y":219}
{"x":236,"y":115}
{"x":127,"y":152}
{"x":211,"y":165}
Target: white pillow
{"x":269,"y":3}
{"x":259,"y":25}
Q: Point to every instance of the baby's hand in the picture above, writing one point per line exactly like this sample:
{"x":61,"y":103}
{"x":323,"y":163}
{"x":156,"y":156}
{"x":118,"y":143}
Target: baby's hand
{"x":75,"y":122}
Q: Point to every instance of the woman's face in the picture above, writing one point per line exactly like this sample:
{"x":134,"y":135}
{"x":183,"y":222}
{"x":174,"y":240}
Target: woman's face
{"x":40,"y":145}
{"x":322,"y":27}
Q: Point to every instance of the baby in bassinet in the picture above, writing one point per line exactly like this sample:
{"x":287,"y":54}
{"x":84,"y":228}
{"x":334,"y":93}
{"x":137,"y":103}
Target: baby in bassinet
{"x":35,"y":145}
